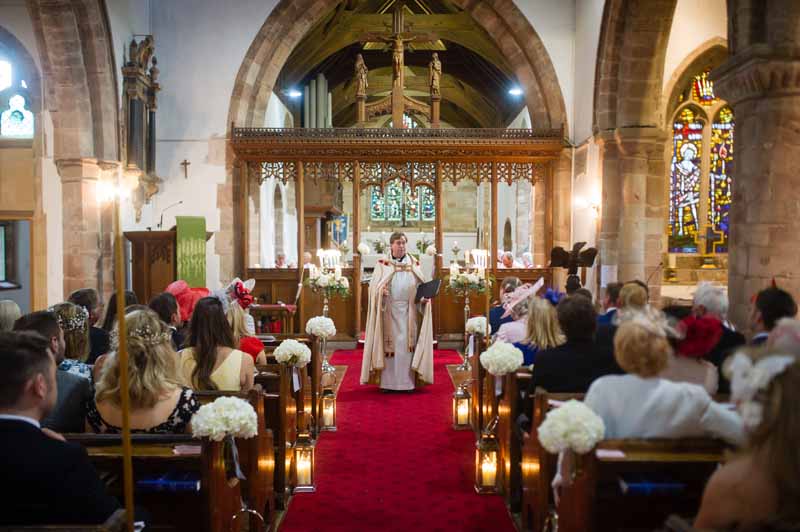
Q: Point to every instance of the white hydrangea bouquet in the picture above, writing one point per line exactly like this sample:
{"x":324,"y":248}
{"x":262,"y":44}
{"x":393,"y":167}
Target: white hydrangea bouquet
{"x":329,"y":283}
{"x":293,"y":353}
{"x":226,"y":416}
{"x":321,"y":327}
{"x":572,"y":426}
{"x":363,"y":248}
{"x":501,"y":358}
{"x":477,"y":325}
{"x":463,"y":282}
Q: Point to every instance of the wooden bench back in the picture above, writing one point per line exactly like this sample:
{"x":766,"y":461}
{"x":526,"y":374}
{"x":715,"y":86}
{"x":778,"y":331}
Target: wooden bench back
{"x":115,"y":523}
{"x":509,"y":409}
{"x":478,"y":386}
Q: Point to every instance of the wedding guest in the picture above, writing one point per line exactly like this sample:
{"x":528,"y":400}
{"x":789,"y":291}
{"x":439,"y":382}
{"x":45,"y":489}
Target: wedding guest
{"x":9,"y":313}
{"x":585,"y":292}
{"x":74,"y":391}
{"x":575,"y":364}
{"x":46,"y":480}
{"x":280,"y":260}
{"x":99,"y":341}
{"x":212,"y":361}
{"x":543,"y":331}
{"x":508,"y":261}
{"x":241,"y":336}
{"x":74,"y":321}
{"x":785,"y":337}
{"x":111,"y":310}
{"x":694,"y":338}
{"x":166,"y":306}
{"x":610,"y":303}
{"x":187,"y":298}
{"x":158,"y":402}
{"x":759,"y":488}
{"x":711,"y":301}
{"x":507,"y":287}
{"x":770,"y":305}
{"x":517,"y":309}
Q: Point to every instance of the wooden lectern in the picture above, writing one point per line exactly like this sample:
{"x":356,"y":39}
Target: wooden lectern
{"x":153,"y":261}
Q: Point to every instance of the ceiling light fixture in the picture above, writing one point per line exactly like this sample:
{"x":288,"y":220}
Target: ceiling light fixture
{"x":515,"y":91}
{"x":294,"y":93}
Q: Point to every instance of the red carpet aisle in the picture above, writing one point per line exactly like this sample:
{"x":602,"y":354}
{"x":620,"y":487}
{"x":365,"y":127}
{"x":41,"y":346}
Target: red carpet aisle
{"x":395,"y":464}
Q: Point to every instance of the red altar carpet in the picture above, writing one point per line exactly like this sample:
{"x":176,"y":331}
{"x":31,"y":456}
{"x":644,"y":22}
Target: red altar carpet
{"x":395,"y":464}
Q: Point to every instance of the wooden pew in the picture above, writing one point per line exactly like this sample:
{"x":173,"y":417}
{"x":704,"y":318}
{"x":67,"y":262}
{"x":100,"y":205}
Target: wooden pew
{"x":314,"y":370}
{"x":115,"y":523}
{"x":478,"y":386}
{"x":537,"y":466}
{"x":594,"y":502}
{"x":154,"y":453}
{"x":510,"y":459}
{"x":257,"y":455}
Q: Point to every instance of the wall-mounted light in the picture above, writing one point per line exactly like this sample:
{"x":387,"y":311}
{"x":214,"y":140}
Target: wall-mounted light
{"x":515,"y":91}
{"x":294,"y":93}
{"x":593,"y":203}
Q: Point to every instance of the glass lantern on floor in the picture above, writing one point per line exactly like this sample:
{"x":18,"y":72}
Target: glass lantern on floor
{"x":328,"y":409}
{"x":462,"y":406}
{"x":304,"y":463}
{"x":487,"y":453}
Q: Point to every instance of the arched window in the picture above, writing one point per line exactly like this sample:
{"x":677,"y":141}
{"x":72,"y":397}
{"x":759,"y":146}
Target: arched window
{"x":16,"y":119}
{"x":700,"y":170}
{"x":398,"y":203}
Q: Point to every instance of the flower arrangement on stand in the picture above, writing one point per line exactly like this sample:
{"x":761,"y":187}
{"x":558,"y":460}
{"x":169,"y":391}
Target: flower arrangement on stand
{"x":423,"y":244}
{"x":464,"y":284}
{"x":322,"y":328}
{"x":328,"y":280}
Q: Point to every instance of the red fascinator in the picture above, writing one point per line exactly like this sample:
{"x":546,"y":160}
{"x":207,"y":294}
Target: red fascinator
{"x":187,"y":297}
{"x":700,"y":336}
{"x":242,"y":295}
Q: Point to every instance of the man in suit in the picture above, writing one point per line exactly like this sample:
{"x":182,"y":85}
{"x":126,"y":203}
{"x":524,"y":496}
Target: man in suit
{"x":99,"y":340}
{"x":770,"y":305}
{"x":711,"y":301}
{"x":574,"y":365}
{"x":74,"y":391}
{"x":45,"y":479}
{"x":610,"y":304}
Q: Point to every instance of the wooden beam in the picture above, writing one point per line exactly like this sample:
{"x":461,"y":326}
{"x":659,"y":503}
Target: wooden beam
{"x":438,"y":262}
{"x":301,"y":233}
{"x":356,"y":242}
{"x":493,"y":229}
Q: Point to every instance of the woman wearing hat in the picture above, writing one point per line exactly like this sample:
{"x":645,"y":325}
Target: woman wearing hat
{"x":517,"y":308}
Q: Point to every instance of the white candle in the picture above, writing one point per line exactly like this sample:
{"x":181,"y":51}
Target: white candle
{"x":338,"y":272}
{"x":303,"y":469}
{"x":489,"y":470}
{"x":327,"y":414}
{"x":462,"y":412}
{"x":319,"y":256}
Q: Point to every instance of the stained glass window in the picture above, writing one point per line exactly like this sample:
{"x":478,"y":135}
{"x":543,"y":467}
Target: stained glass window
{"x":398,"y":203}
{"x":16,"y":121}
{"x":719,"y":189}
{"x":703,"y":89}
{"x":684,"y":201}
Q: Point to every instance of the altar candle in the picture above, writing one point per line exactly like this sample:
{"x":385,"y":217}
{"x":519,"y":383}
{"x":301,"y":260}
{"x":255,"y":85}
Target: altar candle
{"x":672,"y":260}
{"x":319,"y":256}
{"x":337,"y":272}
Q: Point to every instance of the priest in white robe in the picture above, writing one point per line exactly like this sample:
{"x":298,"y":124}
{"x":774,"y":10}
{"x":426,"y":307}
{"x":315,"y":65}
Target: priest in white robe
{"x":398,"y":350}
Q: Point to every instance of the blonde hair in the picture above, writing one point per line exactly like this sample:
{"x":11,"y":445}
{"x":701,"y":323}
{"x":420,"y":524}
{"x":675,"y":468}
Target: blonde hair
{"x":74,"y":321}
{"x":235,"y":317}
{"x":543,"y":330}
{"x":774,"y":440}
{"x":633,"y":296}
{"x":641,"y":348}
{"x":152,"y":363}
{"x":9,"y":313}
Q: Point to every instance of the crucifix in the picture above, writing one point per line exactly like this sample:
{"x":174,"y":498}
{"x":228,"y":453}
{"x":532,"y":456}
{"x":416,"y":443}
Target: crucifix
{"x":185,"y":165}
{"x":397,"y":41}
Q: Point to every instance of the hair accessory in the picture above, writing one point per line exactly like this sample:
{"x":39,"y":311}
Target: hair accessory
{"x":748,"y":380}
{"x":520,"y":294}
{"x":74,"y":323}
{"x":145,"y":333}
{"x":553,"y":296}
{"x":700,"y":335}
{"x":241,"y":293}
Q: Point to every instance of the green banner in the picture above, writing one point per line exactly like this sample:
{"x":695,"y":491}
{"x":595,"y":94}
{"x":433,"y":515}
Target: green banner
{"x":191,"y":240}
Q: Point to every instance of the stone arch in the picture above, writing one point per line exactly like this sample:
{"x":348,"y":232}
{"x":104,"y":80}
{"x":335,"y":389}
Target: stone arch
{"x":78,"y":68}
{"x":290,"y":20}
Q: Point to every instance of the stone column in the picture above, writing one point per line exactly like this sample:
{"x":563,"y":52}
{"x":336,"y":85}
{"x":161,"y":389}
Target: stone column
{"x":761,"y":82}
{"x":81,"y":214}
{"x":608,"y":240}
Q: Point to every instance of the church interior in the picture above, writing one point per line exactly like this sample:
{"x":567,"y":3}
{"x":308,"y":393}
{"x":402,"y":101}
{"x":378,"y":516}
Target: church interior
{"x":262,"y":189}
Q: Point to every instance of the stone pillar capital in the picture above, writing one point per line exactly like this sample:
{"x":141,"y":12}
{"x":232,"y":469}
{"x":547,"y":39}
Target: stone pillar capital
{"x":640,"y":142}
{"x":758,"y":72}
{"x":78,"y":169}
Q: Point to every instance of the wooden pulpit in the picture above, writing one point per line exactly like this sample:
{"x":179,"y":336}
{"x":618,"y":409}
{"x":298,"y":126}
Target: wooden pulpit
{"x":154,"y":261}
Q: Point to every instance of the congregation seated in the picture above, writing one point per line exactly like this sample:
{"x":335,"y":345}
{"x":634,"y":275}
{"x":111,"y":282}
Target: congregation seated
{"x":166,"y":306}
{"x":9,"y":313}
{"x":212,"y":362}
{"x":45,"y":479}
{"x":158,"y":402}
{"x":74,"y":391}
{"x":770,"y":305}
{"x":517,"y":309}
{"x":99,"y":339}
{"x":633,"y":297}
{"x":572,"y":366}
{"x":507,"y":287}
{"x":692,"y":338}
{"x":758,"y":488}
{"x":543,"y":331}
{"x":610,"y":304}
{"x":74,"y":321}
{"x":110,"y":320}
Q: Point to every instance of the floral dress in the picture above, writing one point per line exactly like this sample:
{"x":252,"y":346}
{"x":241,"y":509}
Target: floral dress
{"x":177,"y":421}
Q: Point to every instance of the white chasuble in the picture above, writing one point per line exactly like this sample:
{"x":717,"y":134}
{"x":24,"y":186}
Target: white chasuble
{"x":393,"y":349}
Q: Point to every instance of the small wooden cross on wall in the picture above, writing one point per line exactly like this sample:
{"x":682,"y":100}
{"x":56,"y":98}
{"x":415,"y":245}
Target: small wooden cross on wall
{"x":185,"y":165}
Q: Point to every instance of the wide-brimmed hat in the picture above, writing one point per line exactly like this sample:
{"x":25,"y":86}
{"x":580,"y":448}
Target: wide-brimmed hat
{"x":186,"y":296}
{"x":522,"y":293}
